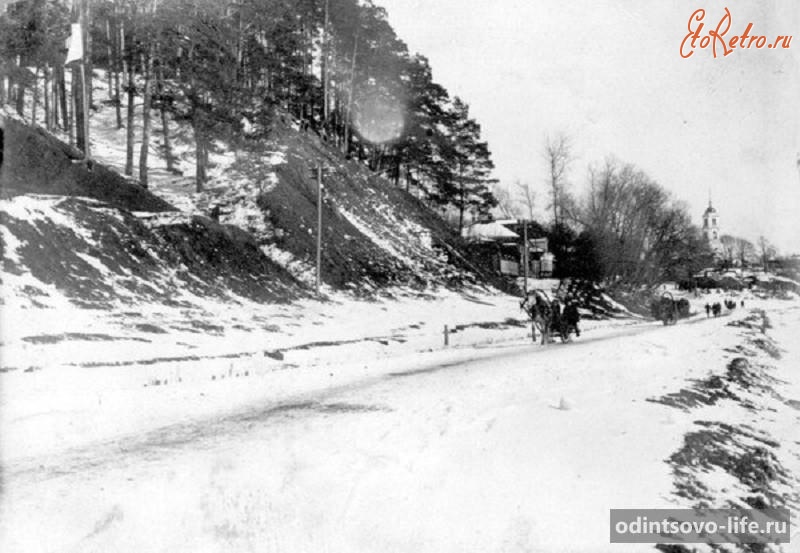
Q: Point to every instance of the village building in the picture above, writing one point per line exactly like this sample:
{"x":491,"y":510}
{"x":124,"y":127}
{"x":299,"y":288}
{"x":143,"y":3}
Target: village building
{"x":501,"y":245}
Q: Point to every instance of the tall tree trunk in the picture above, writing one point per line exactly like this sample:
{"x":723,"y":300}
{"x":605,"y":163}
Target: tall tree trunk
{"x":110,"y":55}
{"x":148,"y":70}
{"x":48,"y":114}
{"x":20,"y":91}
{"x":201,"y":157}
{"x":87,"y":55}
{"x":348,"y":122}
{"x":71,"y":113}
{"x":45,"y":83}
{"x":201,"y":154}
{"x":61,"y":84}
{"x":54,"y":98}
{"x":20,"y":99}
{"x":165,"y":122}
{"x":325,"y":66}
{"x":461,"y":202}
{"x":117,"y":61}
{"x":396,"y":168}
{"x":35,"y":94}
{"x":239,"y":73}
{"x":77,"y":95}
{"x":167,"y":145}
{"x":81,"y":79}
{"x":131,"y":93}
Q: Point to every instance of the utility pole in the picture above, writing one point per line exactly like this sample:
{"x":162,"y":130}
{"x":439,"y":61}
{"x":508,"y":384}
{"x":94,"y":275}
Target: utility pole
{"x":525,"y":255}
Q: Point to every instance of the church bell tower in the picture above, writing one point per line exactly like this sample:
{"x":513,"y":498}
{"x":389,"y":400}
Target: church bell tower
{"x":711,"y":227}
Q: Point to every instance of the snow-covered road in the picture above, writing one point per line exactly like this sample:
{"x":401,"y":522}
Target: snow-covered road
{"x":498,"y":448}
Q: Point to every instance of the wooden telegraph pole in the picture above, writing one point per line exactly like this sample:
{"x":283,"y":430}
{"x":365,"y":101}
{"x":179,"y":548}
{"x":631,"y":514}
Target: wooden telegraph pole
{"x":525,"y":255}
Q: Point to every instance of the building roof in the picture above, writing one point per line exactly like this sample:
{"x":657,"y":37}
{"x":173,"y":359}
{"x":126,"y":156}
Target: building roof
{"x":489,"y":231}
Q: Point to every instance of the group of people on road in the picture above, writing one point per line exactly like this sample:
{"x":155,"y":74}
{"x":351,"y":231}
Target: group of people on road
{"x":716,"y":307}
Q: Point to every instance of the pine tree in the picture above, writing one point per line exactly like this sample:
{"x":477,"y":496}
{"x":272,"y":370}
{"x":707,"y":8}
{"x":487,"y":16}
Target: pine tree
{"x":426,"y":116}
{"x":32,"y":34}
{"x":202,"y":41}
{"x":470,"y":166}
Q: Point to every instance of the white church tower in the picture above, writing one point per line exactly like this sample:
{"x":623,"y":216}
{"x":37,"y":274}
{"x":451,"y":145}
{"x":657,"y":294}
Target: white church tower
{"x":711,"y":227}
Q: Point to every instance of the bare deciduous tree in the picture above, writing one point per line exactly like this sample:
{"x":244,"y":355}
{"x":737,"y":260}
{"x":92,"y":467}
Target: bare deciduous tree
{"x":558,"y":155}
{"x":766,"y":250}
{"x":737,"y":249}
{"x":641,"y":234}
{"x":746,"y":251}
{"x":527,"y":197}
{"x":505,"y":203}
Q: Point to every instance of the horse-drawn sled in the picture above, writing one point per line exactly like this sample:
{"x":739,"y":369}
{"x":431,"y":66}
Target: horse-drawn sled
{"x":668,"y":310}
{"x":549,"y":317}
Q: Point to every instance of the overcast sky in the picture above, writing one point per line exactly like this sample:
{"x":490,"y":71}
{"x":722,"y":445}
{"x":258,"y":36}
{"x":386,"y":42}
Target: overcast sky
{"x":609,"y":74}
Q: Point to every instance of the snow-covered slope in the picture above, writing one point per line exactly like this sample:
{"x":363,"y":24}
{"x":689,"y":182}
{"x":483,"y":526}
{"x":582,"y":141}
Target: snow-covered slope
{"x":37,"y":162}
{"x":374,"y":233}
{"x":164,"y":265}
{"x":100,"y":257}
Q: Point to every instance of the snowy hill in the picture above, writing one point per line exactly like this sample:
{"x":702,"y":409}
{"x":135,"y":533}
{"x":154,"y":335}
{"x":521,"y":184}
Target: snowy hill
{"x":99,"y":256}
{"x":374,"y":234}
{"x":92,"y":258}
{"x":37,"y":162}
{"x":81,"y":239}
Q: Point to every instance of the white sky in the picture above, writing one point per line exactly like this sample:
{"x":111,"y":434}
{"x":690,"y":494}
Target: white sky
{"x":609,"y":74}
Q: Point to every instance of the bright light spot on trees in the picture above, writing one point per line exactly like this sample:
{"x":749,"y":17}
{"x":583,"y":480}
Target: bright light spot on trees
{"x":379,"y":119}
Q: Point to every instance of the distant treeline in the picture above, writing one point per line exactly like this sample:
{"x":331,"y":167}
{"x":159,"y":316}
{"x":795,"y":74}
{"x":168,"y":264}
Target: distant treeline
{"x":624,"y":229}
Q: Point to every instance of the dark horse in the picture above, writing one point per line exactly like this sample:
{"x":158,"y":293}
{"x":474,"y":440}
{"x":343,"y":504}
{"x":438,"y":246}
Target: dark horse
{"x":540,"y":310}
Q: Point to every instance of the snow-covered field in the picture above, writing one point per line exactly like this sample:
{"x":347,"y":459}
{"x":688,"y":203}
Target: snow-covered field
{"x":490,"y":444}
{"x":273,"y":349}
